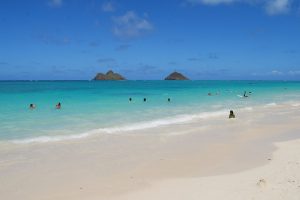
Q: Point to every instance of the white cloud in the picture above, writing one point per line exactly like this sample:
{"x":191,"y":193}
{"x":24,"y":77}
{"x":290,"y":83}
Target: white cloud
{"x":272,"y":7}
{"x":130,"y":25}
{"x":212,"y":2}
{"x":278,"y":6}
{"x":55,"y":3}
{"x":108,"y":7}
{"x":276,"y":72}
{"x":294,"y":73}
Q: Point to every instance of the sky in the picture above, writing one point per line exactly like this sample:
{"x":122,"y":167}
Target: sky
{"x":148,"y":39}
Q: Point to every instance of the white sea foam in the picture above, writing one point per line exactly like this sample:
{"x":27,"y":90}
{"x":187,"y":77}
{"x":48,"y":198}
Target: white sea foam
{"x":217,"y":106}
{"x":247,"y":108}
{"x":270,"y":105}
{"x":44,"y":139}
{"x":295,"y":104}
{"x":131,"y":127}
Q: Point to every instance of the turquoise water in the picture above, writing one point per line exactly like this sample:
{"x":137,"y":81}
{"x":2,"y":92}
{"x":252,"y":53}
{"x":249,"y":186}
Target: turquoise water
{"x":92,"y":107}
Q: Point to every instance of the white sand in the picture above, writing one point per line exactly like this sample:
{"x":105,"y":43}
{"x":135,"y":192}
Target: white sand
{"x":203,"y":159}
{"x":279,"y":179}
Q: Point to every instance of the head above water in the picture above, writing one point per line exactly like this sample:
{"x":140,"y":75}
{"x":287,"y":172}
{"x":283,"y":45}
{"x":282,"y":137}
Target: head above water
{"x":231,"y":115}
{"x":58,"y":105}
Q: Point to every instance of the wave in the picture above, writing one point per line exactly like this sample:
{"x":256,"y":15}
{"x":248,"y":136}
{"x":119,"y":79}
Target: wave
{"x":294,"y":103}
{"x":126,"y":128}
{"x":247,"y":108}
{"x":270,"y":105}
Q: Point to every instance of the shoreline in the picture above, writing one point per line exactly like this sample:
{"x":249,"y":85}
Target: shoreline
{"x":110,"y":165}
{"x":151,"y":124}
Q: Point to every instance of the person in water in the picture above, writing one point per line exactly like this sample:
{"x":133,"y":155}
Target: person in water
{"x":231,"y":114}
{"x":32,"y":106}
{"x":245,"y":94}
{"x":58,"y":106}
{"x":169,"y":100}
{"x":145,"y":99}
{"x":130,"y":99}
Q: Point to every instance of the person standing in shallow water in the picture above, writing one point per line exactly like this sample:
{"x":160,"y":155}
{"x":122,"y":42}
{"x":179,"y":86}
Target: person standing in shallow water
{"x":58,"y":106}
{"x":231,"y":115}
{"x":32,"y":106}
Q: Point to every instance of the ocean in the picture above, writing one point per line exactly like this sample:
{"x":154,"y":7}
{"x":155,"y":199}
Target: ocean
{"x":103,"y":107}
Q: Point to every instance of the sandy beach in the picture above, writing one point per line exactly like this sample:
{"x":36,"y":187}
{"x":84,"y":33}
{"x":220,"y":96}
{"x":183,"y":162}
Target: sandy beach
{"x":255,"y":156}
{"x":279,"y":179}
{"x":150,"y":100}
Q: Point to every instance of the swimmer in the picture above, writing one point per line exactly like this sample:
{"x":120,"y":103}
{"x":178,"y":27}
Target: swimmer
{"x":130,"y":99}
{"x":231,"y":114}
{"x":145,"y":99}
{"x":32,"y":106}
{"x":58,"y":106}
{"x":169,"y":100}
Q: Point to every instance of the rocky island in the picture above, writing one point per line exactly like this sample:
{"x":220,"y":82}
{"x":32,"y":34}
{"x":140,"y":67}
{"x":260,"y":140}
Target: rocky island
{"x":109,"y":76}
{"x":176,"y":76}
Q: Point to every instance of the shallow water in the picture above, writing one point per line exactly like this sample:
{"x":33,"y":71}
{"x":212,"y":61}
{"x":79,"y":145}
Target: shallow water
{"x":90,"y":107}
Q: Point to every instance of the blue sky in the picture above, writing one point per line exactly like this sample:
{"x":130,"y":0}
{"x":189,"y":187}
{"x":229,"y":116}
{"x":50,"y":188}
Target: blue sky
{"x":204,"y":39}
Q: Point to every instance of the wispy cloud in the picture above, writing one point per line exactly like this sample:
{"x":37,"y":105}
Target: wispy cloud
{"x":276,"y":73}
{"x":213,"y":56}
{"x":108,"y":6}
{"x":144,"y":71}
{"x":213,"y":72}
{"x":3,"y":63}
{"x":55,"y":3}
{"x":202,"y":57}
{"x":105,"y":60}
{"x":291,"y":51}
{"x":175,"y":41}
{"x":212,"y":2}
{"x":194,"y":59}
{"x":94,"y":44}
{"x":293,"y":73}
{"x":130,"y":25}
{"x":123,"y":47}
{"x":148,"y":69}
{"x":172,"y":63}
{"x":272,"y":7}
{"x":278,"y":6}
{"x":50,"y":39}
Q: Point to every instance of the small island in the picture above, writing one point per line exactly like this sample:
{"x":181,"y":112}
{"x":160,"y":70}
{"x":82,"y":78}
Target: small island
{"x":109,"y":76}
{"x":176,"y":76}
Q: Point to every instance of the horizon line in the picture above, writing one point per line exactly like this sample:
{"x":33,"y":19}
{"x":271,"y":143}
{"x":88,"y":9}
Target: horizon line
{"x":88,"y":80}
